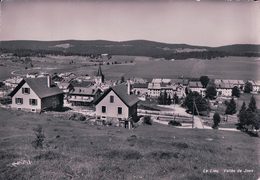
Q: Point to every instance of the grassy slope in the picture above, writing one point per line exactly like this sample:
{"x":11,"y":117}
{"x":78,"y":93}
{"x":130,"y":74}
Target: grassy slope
{"x":82,"y":151}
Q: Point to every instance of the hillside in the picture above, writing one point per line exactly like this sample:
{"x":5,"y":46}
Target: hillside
{"x":78,"y":150}
{"x":132,"y":48}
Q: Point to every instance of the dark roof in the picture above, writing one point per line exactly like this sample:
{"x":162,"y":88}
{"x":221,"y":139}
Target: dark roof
{"x":140,"y":85}
{"x":121,"y":92}
{"x":39,"y":86}
{"x":81,"y":84}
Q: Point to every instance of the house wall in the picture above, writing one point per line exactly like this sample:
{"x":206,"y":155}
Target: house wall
{"x":26,"y":97}
{"x":52,"y":102}
{"x":111,"y":108}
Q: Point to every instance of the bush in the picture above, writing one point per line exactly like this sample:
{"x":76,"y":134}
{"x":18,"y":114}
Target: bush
{"x":174,"y":123}
{"x":147,"y":120}
{"x":39,"y":139}
{"x":77,"y":117}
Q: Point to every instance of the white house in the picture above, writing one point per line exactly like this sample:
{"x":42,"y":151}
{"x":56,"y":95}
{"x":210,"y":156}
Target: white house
{"x":36,"y":94}
{"x":117,"y":105}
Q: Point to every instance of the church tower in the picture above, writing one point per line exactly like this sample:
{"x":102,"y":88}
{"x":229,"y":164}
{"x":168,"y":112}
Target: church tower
{"x":99,"y":76}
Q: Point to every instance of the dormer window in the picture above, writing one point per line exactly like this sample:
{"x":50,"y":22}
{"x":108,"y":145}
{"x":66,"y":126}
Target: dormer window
{"x":111,"y":99}
{"x":26,"y":90}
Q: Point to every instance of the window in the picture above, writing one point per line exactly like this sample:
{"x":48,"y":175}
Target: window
{"x":111,"y":99}
{"x":104,"y":109}
{"x":33,"y":102}
{"x":18,"y":100}
{"x":119,"y":110}
{"x":26,"y":90}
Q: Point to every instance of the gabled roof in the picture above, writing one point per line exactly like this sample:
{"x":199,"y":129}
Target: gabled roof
{"x":121,"y":92}
{"x":39,"y":86}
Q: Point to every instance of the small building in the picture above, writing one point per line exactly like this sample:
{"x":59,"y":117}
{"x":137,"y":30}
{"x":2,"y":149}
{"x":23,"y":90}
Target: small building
{"x":117,"y":105}
{"x":256,"y":86}
{"x":12,"y":82}
{"x":36,"y":95}
{"x":83,"y":94}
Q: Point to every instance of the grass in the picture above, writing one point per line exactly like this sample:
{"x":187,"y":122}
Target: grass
{"x":77,"y":150}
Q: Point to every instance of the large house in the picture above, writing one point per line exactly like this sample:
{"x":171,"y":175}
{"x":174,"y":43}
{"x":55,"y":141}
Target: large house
{"x":170,"y":86}
{"x":117,"y":105}
{"x":83,"y":93}
{"x":36,"y":95}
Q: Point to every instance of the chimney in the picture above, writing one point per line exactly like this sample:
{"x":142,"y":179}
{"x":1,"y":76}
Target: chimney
{"x":128,"y":87}
{"x":49,"y":81}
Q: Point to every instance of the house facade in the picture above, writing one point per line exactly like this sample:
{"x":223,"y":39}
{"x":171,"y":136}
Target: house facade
{"x":117,"y":105}
{"x":36,"y":95}
{"x":83,"y":94}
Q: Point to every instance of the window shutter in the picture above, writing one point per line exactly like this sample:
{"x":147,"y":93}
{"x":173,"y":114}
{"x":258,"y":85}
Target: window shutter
{"x":23,"y":90}
{"x":21,"y":100}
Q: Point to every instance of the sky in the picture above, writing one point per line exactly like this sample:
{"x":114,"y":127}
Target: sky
{"x":204,"y":22}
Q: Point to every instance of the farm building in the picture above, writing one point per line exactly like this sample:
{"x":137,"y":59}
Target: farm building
{"x":117,"y":105}
{"x":83,"y":94}
{"x":36,"y":95}
{"x":196,"y":86}
{"x":140,"y":89}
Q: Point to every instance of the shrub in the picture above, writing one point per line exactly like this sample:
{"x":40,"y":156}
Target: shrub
{"x":216,"y":120}
{"x":147,"y":120}
{"x":77,"y":117}
{"x":39,"y":139}
{"x":174,"y":123}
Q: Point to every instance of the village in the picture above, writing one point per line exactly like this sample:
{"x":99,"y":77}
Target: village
{"x":126,"y":101}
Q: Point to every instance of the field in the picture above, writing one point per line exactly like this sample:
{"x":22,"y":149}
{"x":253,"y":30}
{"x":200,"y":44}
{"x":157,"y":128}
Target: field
{"x":77,"y":150}
{"x":226,"y":68}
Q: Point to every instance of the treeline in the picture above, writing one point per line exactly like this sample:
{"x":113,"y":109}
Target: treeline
{"x":95,"y":52}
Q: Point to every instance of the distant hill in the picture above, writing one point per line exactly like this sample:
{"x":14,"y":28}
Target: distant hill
{"x":134,"y":48}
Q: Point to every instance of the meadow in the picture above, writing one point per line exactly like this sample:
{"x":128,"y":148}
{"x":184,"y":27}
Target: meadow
{"x":226,"y":68}
{"x":78,"y":150}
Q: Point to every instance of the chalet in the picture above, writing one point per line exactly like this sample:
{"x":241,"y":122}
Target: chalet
{"x":36,"y":95}
{"x":117,"y":105}
{"x":83,"y":93}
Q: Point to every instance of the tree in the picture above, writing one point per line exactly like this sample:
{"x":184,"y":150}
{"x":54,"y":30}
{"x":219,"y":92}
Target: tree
{"x":242,"y":116}
{"x":216,"y":120}
{"x":169,"y":100}
{"x":201,"y":103}
{"x":175,"y":99}
{"x":204,"y":81}
{"x":211,"y":92}
{"x":235,"y":91}
{"x":231,"y":107}
{"x":122,"y":79}
{"x":248,"y":87}
{"x":252,"y":104}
